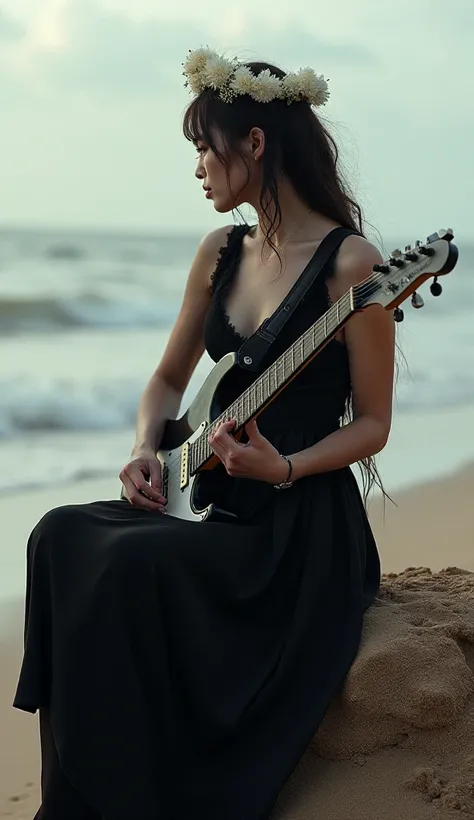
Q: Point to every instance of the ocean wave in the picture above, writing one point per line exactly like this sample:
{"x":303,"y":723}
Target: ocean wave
{"x":49,"y":314}
{"x":62,"y":404}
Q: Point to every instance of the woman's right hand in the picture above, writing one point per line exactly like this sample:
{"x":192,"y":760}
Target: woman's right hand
{"x":141,"y":478}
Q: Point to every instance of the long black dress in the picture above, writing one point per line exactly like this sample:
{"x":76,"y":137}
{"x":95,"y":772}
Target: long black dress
{"x":186,"y":666}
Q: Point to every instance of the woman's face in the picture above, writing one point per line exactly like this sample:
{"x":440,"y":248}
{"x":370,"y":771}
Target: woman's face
{"x":227,"y":187}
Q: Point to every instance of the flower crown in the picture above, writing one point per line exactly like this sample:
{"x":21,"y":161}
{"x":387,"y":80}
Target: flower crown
{"x":204,"y":68}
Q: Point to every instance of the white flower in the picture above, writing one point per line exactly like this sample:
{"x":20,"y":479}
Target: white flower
{"x":243,"y":81}
{"x":267,"y":87}
{"x":217,"y":72}
{"x":314,"y":87}
{"x":306,"y":85}
{"x":196,"y":82}
{"x":196,"y":60}
{"x":292,"y":87}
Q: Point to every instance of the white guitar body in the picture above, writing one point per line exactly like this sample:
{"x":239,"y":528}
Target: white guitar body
{"x":178,"y":486}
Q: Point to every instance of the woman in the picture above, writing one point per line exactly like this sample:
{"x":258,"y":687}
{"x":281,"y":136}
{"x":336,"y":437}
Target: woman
{"x":181,"y":669}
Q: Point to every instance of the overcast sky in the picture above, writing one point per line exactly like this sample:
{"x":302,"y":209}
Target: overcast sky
{"x":91,"y":102}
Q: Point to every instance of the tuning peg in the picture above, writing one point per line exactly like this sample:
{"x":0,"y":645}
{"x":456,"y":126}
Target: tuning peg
{"x":381,"y":268}
{"x":435,"y":287}
{"x":397,"y":262}
{"x":418,"y":243}
{"x":407,"y":248}
{"x":417,"y":300}
{"x":426,"y":251}
{"x":411,"y":256}
{"x":398,"y":315}
{"x":447,"y":234}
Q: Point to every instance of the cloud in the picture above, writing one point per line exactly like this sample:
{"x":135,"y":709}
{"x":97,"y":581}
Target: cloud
{"x":108,"y":51}
{"x":83,"y":47}
{"x":10,"y":29}
{"x":296,"y":47}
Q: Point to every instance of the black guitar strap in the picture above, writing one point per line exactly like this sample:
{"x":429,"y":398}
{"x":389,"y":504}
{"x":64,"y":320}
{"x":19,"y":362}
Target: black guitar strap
{"x":253,"y":350}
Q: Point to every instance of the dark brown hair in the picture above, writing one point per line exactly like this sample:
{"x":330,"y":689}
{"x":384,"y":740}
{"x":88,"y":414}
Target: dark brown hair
{"x":298,"y":145}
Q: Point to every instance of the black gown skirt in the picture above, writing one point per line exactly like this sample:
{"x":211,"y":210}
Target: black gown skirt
{"x":186,"y":666}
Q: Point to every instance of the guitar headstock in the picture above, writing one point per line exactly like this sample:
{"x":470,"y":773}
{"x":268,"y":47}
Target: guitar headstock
{"x":402,"y":274}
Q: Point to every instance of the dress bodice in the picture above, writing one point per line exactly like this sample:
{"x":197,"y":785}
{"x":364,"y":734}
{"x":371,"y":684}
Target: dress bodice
{"x":316,"y":398}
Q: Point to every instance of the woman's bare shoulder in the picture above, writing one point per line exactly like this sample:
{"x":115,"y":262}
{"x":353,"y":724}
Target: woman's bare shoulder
{"x":355,"y":261}
{"x":214,"y":240}
{"x":207,"y":254}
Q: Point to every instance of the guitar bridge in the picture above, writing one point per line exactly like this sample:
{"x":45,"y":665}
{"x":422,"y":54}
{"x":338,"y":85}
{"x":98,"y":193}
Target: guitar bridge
{"x":184,"y":479}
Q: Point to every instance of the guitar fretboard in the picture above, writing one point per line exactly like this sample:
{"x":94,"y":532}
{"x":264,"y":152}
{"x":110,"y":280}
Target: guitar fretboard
{"x":264,"y":388}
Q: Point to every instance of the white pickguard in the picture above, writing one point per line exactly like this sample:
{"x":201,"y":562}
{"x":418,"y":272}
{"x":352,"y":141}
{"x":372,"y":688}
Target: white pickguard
{"x":180,"y":500}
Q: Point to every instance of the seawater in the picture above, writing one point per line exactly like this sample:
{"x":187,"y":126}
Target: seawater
{"x":84,"y":319}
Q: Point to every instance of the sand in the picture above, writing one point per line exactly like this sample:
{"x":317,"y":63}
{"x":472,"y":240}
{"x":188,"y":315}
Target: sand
{"x":398,"y":742}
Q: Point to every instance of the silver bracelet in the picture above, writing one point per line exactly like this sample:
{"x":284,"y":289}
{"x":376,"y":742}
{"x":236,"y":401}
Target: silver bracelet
{"x":284,"y":485}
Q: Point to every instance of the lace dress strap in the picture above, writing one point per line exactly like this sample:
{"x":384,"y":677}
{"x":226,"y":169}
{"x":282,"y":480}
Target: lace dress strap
{"x":228,"y":257}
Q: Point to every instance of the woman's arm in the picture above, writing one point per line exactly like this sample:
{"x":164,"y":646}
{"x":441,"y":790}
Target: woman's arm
{"x":163,"y":394}
{"x":370,"y":340}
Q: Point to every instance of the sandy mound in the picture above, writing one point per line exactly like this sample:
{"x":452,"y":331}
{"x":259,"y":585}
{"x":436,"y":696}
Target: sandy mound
{"x":407,"y":702}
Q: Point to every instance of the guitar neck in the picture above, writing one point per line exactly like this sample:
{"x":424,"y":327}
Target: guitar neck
{"x":265,"y":388}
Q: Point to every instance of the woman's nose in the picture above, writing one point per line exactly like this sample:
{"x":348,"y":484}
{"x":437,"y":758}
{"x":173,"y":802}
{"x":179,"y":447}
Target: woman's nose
{"x":199,"y":172}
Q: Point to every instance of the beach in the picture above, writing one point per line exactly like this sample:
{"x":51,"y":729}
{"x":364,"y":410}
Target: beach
{"x":431,"y":526}
{"x":82,"y":329}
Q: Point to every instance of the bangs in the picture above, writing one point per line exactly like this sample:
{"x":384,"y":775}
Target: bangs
{"x":200,"y":119}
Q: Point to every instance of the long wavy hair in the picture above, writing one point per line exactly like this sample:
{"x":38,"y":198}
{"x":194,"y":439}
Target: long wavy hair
{"x":297,"y":145}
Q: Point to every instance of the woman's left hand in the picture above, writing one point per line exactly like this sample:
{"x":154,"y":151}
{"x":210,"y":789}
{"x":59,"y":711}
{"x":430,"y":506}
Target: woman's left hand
{"x":257,"y":459}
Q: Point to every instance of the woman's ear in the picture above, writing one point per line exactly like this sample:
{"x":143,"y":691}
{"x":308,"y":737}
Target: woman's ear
{"x":257,"y":142}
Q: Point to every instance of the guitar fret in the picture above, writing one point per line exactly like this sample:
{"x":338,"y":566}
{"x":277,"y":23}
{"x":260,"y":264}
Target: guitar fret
{"x":244,"y":406}
{"x":273,"y":378}
{"x":251,"y":400}
{"x":301,"y":350}
{"x":237,"y":409}
{"x":280,"y":372}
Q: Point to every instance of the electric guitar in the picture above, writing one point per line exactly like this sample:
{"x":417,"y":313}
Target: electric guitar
{"x":185,"y":449}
